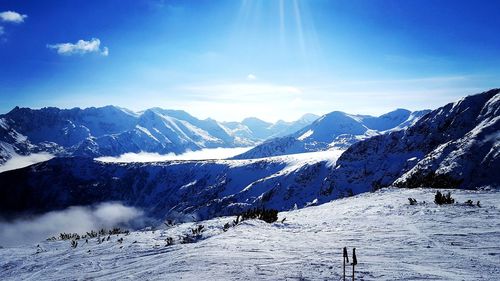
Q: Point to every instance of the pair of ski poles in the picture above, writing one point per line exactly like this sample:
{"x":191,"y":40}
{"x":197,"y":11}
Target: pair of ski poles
{"x":346,"y":260}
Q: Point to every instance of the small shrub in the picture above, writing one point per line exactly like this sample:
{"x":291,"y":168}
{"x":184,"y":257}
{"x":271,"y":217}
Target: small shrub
{"x":441,"y":199}
{"x":413,"y":201}
{"x":469,"y":203}
{"x":74,"y":244}
{"x":198,"y":230}
{"x":68,"y":236}
{"x":478,"y":204}
{"x":169,"y":241}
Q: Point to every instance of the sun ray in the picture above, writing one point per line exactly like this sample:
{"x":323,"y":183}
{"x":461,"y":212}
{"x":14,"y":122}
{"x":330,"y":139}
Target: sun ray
{"x":300,"y":31}
{"x":282,"y":22}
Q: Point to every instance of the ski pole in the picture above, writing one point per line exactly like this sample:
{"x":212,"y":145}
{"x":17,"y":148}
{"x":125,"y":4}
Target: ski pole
{"x":346,"y":257}
{"x":354,"y":261}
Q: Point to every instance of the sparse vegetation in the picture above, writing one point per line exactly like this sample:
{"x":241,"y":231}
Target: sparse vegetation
{"x":267,"y":215}
{"x":471,"y":203}
{"x":198,"y":230}
{"x":170,"y":241}
{"x":91,"y":234}
{"x":68,"y":236}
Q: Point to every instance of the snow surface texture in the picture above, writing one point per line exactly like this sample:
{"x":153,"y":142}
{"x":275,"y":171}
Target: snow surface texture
{"x":393,"y":241}
{"x":112,"y":131}
{"x":335,"y":130}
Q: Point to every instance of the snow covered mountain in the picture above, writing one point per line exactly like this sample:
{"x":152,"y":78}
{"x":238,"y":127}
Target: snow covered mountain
{"x":258,"y":130}
{"x":334,"y":130}
{"x":108,"y":131}
{"x":457,"y":145}
{"x":111,"y":131}
{"x":393,"y":240}
{"x":454,"y":146}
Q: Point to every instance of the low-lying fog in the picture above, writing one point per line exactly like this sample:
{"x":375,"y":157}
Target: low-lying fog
{"x":72,"y":220}
{"x":207,"y":153}
{"x":19,"y":161}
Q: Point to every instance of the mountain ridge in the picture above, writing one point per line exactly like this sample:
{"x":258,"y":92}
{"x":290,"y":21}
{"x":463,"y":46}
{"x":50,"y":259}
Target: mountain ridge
{"x":111,"y":131}
{"x":334,"y":130}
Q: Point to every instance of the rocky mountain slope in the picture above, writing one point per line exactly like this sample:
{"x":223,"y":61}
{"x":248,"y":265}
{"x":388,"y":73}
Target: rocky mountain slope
{"x":334,"y":130}
{"x":457,"y":145}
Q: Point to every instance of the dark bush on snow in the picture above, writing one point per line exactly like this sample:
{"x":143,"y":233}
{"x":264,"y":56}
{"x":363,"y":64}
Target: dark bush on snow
{"x":441,"y":199}
{"x":413,"y":201}
{"x":267,"y":215}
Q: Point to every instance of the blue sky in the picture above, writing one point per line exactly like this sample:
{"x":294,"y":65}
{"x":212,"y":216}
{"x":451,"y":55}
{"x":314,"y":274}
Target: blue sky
{"x":228,"y":59}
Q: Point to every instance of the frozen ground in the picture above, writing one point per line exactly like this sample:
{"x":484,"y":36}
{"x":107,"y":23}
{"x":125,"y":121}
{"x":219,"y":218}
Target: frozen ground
{"x":394,"y":241}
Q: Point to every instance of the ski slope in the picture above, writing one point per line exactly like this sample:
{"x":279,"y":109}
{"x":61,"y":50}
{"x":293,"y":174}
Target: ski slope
{"x":394,"y":241}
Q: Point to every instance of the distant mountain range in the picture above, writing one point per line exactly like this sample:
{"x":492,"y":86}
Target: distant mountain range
{"x":334,"y":130}
{"x":455,"y":146}
{"x":111,"y":131}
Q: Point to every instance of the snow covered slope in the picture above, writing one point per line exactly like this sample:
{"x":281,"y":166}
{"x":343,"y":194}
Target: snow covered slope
{"x":393,"y":241}
{"x":334,"y":130}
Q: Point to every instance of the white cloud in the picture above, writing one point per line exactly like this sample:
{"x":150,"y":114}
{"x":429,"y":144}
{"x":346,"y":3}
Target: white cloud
{"x":204,"y":154}
{"x":19,"y":161}
{"x":251,"y":77}
{"x":105,"y":51}
{"x":81,"y":47}
{"x":14,"y":17}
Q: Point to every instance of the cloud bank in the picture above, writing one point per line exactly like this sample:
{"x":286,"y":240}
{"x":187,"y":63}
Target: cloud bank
{"x":208,"y":153}
{"x":12,"y":17}
{"x":81,"y":47}
{"x":19,"y":161}
{"x":72,"y":220}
